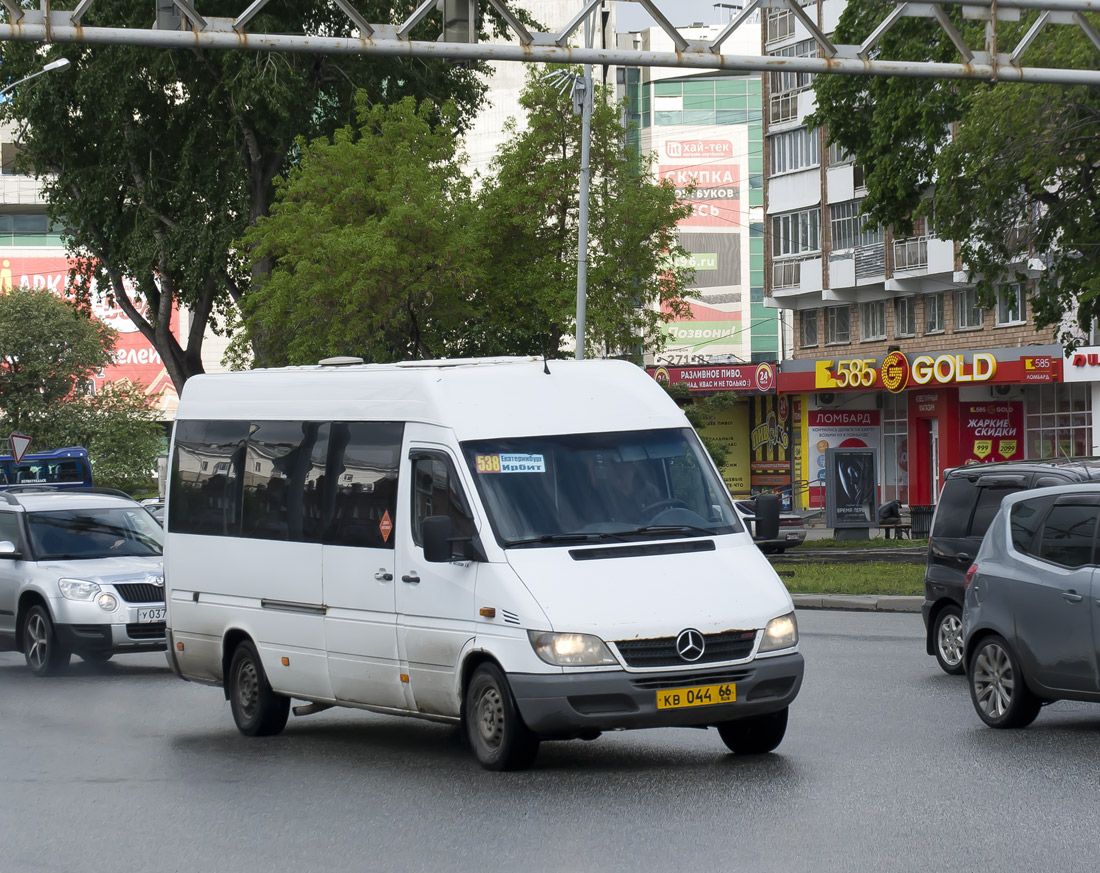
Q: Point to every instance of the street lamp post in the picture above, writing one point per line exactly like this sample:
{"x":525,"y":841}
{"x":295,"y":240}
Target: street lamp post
{"x":59,"y":64}
{"x":582,"y":105}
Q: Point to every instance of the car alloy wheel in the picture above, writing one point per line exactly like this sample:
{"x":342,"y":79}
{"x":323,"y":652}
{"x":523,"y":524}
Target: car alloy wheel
{"x":949,"y":640}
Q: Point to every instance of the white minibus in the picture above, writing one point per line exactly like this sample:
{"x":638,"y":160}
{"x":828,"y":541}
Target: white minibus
{"x":533,"y":549}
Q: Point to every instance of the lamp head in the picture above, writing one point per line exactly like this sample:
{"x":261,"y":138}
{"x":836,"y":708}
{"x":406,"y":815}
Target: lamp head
{"x":59,"y":64}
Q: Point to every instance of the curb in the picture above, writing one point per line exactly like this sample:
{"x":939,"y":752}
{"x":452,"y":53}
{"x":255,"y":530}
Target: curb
{"x":858,"y":602}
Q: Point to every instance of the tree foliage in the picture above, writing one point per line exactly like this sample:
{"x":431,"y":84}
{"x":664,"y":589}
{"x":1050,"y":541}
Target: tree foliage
{"x":380,"y":249}
{"x":373,"y":242}
{"x":530,"y":212}
{"x":1013,"y":166}
{"x":156,"y":161}
{"x":49,"y":348}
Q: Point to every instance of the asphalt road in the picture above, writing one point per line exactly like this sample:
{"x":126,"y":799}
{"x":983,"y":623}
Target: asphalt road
{"x":885,"y":768}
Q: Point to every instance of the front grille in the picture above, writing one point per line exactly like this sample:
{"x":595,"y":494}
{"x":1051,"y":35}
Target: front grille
{"x":732,"y":645}
{"x":140,"y":592}
{"x":153,"y":630}
{"x":679,"y":680}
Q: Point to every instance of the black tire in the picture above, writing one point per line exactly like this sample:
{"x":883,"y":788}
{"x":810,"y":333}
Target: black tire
{"x":43,"y":650}
{"x":947,"y":640}
{"x":96,"y":657}
{"x":499,"y":738}
{"x":997,"y":687}
{"x":754,"y":736}
{"x":257,"y":710}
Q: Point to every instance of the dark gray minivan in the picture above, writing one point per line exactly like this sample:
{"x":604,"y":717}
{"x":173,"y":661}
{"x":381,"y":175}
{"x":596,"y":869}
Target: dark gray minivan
{"x":971,"y":496}
{"x":1028,"y":618}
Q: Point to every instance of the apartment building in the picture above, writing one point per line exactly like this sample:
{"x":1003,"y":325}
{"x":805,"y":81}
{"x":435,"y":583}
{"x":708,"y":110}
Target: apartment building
{"x":889,"y":346}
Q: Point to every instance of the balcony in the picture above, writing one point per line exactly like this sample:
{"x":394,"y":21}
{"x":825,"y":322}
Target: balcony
{"x":911,"y":254}
{"x":786,"y":274}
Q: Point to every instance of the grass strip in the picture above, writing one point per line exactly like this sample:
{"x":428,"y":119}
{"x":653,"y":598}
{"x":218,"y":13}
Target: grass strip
{"x":865,"y":578}
{"x":876,"y":543}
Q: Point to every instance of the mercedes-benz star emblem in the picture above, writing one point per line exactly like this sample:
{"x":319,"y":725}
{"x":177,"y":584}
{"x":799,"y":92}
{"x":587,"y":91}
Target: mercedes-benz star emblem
{"x":690,"y":644}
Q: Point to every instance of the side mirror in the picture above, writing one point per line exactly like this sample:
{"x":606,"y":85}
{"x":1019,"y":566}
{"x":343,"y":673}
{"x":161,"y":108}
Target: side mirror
{"x":436,"y":530}
{"x":441,"y":546}
{"x":8,"y":549}
{"x":767,"y":516}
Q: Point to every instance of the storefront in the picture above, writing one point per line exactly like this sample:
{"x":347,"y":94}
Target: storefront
{"x":928,"y":413}
{"x":756,"y":429}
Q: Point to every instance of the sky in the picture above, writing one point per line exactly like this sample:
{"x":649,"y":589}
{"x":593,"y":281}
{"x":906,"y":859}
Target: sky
{"x":631,"y":16}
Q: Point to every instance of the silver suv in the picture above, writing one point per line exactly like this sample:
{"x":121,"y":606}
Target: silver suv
{"x":80,"y":572}
{"x":1031,"y":595}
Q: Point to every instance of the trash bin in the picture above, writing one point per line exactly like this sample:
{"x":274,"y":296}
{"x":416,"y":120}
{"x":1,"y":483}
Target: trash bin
{"x":920,"y":517}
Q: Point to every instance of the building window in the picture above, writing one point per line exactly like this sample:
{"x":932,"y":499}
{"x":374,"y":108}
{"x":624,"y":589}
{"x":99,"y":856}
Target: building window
{"x":968,"y":315}
{"x":933,"y":313}
{"x":905,"y":317}
{"x":837,"y":325}
{"x":872,"y":320}
{"x":796,"y":233}
{"x":780,"y":24}
{"x":808,"y":324}
{"x":793,"y":150}
{"x":895,"y":447}
{"x":1011,"y":305}
{"x":1059,"y":420}
{"x":786,"y":85}
{"x":847,"y":227}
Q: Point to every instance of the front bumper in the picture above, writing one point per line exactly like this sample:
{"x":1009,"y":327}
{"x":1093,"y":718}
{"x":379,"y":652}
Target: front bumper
{"x":572,"y":704}
{"x":117,"y":638}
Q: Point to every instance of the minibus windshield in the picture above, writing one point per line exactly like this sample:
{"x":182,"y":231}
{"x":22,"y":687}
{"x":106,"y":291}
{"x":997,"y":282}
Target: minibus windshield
{"x":592,"y":487}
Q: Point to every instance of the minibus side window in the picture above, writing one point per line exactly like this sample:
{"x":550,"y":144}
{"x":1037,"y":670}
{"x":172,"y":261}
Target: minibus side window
{"x":437,"y":491}
{"x":276,"y":467}
{"x":361,"y":477}
{"x":206,"y":477}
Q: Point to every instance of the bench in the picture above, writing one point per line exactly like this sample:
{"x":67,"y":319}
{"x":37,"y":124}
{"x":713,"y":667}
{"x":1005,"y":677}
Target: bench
{"x":901,"y":530}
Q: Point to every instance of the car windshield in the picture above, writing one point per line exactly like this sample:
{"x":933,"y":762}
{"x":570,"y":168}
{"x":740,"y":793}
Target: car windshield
{"x":592,"y":487}
{"x":94,"y":533}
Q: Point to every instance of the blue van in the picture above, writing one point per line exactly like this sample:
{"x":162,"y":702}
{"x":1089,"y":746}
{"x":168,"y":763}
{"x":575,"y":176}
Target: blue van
{"x":62,"y":468}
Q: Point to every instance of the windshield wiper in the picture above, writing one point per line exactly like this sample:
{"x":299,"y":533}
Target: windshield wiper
{"x":570,"y":538}
{"x":674,"y":528}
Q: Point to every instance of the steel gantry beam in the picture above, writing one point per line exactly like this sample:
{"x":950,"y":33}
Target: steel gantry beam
{"x":177,"y":24}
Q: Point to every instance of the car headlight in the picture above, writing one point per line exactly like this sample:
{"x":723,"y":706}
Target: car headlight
{"x":570,"y":650}
{"x":781,"y":633}
{"x":78,"y":589}
{"x":107,"y":602}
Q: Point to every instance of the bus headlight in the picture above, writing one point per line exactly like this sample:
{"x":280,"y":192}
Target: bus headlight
{"x":781,"y":633}
{"x":570,"y":650}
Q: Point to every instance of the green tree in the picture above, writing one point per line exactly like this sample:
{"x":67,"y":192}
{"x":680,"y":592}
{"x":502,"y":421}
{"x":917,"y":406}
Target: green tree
{"x":49,"y":348}
{"x":529,"y":215}
{"x":380,"y":250}
{"x":373,"y":244}
{"x":155,"y":161}
{"x":1009,"y":170}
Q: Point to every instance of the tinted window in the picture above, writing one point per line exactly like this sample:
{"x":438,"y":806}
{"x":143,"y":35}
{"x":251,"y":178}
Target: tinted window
{"x":1068,"y":534}
{"x":436,"y":491}
{"x":363,"y":462}
{"x":277,"y":465}
{"x":956,"y":505}
{"x":1026,"y":518}
{"x":206,"y":477}
{"x":989,"y":501}
{"x":331,"y":482}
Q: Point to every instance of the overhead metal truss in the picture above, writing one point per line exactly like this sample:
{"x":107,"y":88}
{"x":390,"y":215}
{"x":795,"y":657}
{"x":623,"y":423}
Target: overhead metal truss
{"x":177,"y":24}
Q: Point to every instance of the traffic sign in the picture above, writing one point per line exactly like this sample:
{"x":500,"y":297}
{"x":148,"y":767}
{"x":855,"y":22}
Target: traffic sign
{"x":19,"y":443}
